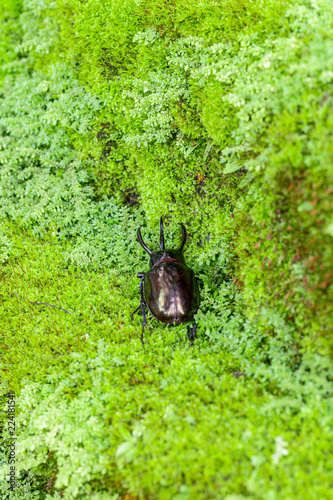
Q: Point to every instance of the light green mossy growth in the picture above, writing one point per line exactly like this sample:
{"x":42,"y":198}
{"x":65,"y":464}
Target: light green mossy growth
{"x":213,"y":113}
{"x":10,"y":33}
{"x":43,"y":181}
{"x":173,"y":422}
{"x":36,"y":338}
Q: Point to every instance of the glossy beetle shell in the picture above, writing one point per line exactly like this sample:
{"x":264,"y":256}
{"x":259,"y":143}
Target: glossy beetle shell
{"x":171,"y":292}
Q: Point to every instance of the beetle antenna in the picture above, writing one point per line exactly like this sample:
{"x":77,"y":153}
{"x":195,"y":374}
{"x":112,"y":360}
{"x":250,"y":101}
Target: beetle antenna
{"x":144,"y":246}
{"x":161,"y":235}
{"x":184,"y":237}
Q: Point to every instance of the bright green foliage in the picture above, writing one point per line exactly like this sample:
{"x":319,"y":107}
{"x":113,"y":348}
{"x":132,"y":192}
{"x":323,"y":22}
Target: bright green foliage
{"x":283,"y":113}
{"x":121,"y":417}
{"x":214,"y":113}
{"x":44,"y":273}
{"x":43,"y":181}
{"x":9,"y":33}
{"x":173,"y":422}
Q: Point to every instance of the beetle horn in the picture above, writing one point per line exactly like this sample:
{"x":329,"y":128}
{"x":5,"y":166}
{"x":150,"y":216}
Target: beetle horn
{"x":142,"y":243}
{"x":161,"y":235}
{"x":184,"y":237}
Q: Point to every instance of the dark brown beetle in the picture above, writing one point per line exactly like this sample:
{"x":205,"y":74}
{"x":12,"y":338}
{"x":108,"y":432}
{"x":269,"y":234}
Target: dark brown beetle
{"x":169,"y":290}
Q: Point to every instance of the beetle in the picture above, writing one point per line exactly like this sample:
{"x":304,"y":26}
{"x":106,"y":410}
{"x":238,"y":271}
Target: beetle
{"x":169,"y":290}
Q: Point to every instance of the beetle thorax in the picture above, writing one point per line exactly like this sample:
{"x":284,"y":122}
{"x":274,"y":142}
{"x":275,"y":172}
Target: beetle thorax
{"x":157,"y":258}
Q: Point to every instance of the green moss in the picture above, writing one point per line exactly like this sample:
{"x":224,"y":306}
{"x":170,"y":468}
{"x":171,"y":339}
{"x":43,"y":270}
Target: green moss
{"x":215,"y":114}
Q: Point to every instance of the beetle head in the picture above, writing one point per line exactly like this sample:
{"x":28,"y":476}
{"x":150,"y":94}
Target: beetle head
{"x":163,"y":254}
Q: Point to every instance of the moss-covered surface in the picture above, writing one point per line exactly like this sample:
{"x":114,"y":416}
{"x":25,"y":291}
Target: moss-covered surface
{"x":215,"y":114}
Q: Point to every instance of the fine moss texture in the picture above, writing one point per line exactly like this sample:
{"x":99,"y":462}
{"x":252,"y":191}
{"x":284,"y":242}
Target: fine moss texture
{"x":217,"y":114}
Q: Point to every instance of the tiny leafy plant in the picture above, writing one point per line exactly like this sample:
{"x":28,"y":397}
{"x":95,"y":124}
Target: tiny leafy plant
{"x":215,"y":114}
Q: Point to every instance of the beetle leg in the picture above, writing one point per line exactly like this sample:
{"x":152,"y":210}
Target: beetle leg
{"x":191,"y":332}
{"x":143,"y":305}
{"x":144,"y":322}
{"x":136,"y":310}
